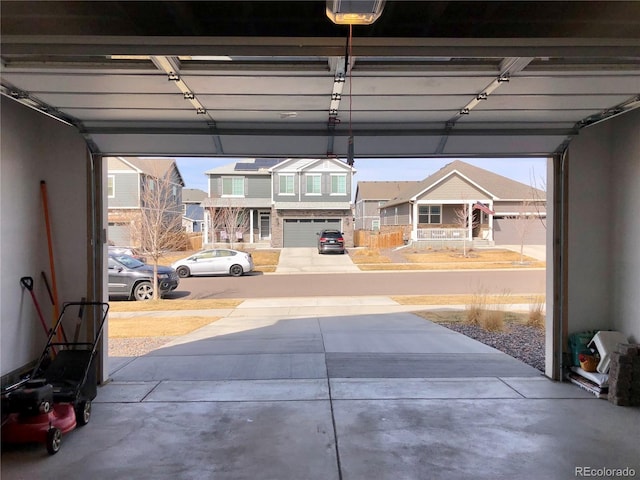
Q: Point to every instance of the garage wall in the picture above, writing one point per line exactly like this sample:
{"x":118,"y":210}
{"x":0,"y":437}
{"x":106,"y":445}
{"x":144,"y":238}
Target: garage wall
{"x":625,"y":262}
{"x":34,"y":148}
{"x":603,"y":227}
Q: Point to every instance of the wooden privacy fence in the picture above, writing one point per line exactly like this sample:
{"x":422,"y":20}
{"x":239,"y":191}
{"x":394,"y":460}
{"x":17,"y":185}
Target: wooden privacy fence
{"x":195,"y":241}
{"x":369,"y":239}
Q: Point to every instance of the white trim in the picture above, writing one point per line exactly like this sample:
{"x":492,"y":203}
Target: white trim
{"x":232,"y":177}
{"x":306,"y":183}
{"x":337,"y":175}
{"x":113,"y":186}
{"x":293,"y":183}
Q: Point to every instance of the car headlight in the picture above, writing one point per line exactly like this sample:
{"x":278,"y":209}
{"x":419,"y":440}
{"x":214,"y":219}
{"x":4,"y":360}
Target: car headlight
{"x":163,"y":275}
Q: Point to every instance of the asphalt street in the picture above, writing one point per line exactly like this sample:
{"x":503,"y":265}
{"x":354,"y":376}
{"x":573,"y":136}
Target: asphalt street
{"x":258,"y":285}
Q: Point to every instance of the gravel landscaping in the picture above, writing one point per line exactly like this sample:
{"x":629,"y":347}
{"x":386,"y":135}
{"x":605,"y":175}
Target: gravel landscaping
{"x":136,"y":346}
{"x":520,"y":341}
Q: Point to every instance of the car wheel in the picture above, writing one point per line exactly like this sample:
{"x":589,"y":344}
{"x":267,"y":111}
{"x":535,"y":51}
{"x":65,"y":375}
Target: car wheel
{"x":236,"y":270}
{"x":143,"y":291}
{"x":83,"y":412}
{"x":183,"y":272}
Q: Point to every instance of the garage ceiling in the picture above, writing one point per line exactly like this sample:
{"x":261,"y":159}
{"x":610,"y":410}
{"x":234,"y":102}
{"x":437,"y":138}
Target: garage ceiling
{"x":448,"y":78}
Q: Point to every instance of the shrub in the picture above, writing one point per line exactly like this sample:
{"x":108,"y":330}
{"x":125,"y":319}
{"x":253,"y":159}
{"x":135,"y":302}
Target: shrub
{"x":492,"y":320}
{"x":536,"y":317}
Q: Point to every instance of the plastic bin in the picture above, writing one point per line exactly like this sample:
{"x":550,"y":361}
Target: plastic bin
{"x":578,"y":344}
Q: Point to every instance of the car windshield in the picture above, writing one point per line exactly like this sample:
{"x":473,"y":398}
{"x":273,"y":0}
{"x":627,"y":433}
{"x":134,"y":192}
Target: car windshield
{"x":128,"y":261}
{"x":331,"y":233}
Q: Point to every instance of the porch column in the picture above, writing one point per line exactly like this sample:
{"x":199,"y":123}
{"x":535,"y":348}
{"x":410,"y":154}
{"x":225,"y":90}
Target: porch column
{"x":491,"y":221}
{"x":205,"y":236}
{"x":414,"y":222}
{"x":251,"y":225}
{"x":470,"y":221}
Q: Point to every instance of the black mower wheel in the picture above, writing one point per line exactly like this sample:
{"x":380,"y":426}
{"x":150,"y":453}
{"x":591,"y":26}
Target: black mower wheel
{"x":54,"y":440}
{"x":83,"y":412}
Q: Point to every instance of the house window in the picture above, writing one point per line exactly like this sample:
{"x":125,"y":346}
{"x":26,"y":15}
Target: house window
{"x":338,"y":184}
{"x":111,"y":186}
{"x":313,"y":184}
{"x":375,"y":224}
{"x":429,"y":214}
{"x":233,"y":186}
{"x":286,"y":184}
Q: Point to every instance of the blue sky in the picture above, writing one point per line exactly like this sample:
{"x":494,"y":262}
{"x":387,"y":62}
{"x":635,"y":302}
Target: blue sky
{"x":375,"y":169}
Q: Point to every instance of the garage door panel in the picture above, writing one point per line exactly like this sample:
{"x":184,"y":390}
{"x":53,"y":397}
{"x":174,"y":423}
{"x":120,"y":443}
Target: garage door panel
{"x":505,"y":232}
{"x":302,"y":232}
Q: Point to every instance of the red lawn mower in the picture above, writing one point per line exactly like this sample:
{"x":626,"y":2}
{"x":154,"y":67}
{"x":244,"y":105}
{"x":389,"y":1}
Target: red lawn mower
{"x":56,"y":397}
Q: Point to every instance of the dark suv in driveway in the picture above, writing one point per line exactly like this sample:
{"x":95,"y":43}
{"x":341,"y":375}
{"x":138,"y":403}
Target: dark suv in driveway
{"x":330,"y":241}
{"x":131,"y":278}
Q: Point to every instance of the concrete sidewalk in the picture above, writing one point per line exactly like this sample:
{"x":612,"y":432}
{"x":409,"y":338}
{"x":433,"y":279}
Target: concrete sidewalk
{"x":269,"y":394}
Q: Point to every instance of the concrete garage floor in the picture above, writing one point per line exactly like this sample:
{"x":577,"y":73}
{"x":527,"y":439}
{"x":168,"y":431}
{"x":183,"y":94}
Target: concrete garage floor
{"x":327,"y":395}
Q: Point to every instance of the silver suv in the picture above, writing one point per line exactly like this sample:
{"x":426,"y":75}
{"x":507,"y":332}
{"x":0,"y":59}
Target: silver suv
{"x":131,"y":278}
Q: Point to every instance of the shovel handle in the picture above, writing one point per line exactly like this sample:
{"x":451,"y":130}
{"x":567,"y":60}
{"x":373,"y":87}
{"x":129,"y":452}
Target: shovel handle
{"x":27,"y":282}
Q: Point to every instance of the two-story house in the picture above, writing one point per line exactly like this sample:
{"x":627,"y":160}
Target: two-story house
{"x":131,"y":182}
{"x":370,"y":196}
{"x":192,"y":210}
{"x":284,"y":202}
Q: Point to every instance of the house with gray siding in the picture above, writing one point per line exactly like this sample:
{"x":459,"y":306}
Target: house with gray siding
{"x":192,"y":210}
{"x":370,"y":196}
{"x":494,"y":208}
{"x":280,"y":202}
{"x":127,"y":179}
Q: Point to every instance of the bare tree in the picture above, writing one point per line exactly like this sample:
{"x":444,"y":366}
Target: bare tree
{"x":524,"y":220}
{"x":463,"y":215}
{"x":230,"y":221}
{"x":539,"y":196}
{"x":159,"y":227}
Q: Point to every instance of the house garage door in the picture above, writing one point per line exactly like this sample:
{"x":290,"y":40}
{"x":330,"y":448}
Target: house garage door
{"x":505,"y":232}
{"x":302,"y":233}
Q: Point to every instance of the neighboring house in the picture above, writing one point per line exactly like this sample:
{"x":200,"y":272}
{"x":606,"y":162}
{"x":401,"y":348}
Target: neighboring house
{"x":283,"y":203}
{"x":496,"y":206}
{"x":370,"y":196}
{"x":192,"y":210}
{"x":128,"y":178}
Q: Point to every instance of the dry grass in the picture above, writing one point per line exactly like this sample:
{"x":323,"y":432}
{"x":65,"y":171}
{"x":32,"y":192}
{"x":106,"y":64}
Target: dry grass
{"x":173,"y":304}
{"x":497,"y":258}
{"x":448,"y":259}
{"x":464,"y":299}
{"x":368,"y":256}
{"x":493,"y":320}
{"x":460,"y":316}
{"x":156,"y":326}
{"x":536,"y":313}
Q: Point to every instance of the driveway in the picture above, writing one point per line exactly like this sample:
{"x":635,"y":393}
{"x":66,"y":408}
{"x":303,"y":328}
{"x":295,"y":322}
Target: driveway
{"x":337,"y":390}
{"x":308,"y":260}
